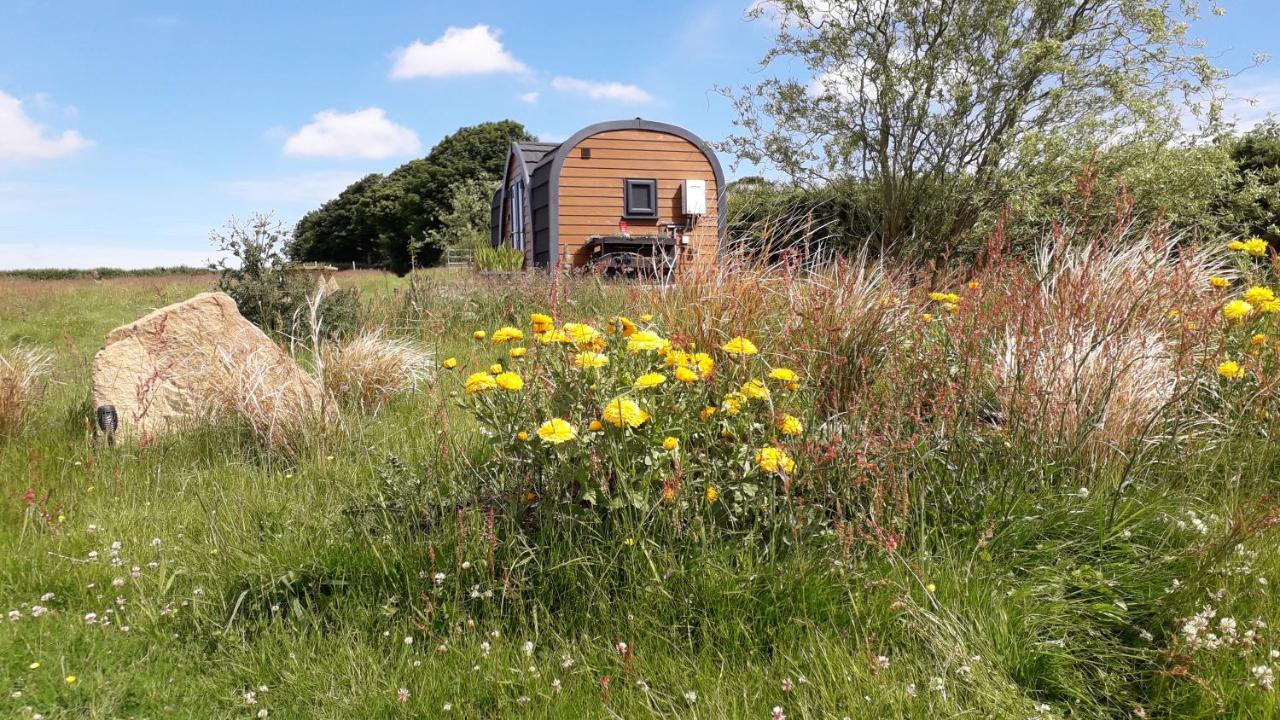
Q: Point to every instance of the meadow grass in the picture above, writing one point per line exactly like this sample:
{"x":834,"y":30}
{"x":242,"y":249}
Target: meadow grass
{"x":959,"y":554}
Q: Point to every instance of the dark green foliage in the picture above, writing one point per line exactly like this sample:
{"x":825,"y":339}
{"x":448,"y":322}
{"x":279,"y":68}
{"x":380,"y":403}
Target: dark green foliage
{"x":343,"y":230}
{"x":400,"y":220}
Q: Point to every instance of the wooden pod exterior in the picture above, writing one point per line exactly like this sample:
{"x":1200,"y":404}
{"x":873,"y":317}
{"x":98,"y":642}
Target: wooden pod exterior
{"x":555,"y":197}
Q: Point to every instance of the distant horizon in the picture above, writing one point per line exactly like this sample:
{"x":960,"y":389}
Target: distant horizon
{"x":125,"y":138}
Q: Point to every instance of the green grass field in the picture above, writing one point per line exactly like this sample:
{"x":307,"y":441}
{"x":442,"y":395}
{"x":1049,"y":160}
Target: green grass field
{"x":941,"y":566}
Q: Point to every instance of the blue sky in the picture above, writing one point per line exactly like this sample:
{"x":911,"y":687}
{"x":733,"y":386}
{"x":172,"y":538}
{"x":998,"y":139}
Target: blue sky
{"x":128,"y":130}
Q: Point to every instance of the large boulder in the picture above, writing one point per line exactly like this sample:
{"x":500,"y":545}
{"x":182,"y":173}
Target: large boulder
{"x":192,"y":360}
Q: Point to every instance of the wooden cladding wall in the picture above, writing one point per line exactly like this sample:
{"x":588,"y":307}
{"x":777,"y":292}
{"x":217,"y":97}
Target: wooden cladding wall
{"x":591,"y":190}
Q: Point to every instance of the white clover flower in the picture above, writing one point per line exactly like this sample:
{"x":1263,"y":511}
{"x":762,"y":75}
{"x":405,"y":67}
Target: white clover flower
{"x":46,"y":597}
{"x":880,"y":663}
{"x":408,"y":639}
{"x":555,"y":685}
{"x":690,"y":696}
{"x":528,"y":648}
{"x":91,"y":618}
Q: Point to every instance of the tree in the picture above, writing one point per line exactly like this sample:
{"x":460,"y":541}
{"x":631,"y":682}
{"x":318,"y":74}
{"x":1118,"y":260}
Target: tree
{"x":343,"y":230}
{"x":933,"y":104}
{"x":466,"y":224}
{"x":423,"y":189}
{"x":399,"y":220}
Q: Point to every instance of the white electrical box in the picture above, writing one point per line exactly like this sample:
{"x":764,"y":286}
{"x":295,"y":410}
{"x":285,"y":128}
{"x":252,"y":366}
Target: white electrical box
{"x":693,"y":196}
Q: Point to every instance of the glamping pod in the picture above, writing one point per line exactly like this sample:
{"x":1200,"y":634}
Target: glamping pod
{"x":630,"y":198}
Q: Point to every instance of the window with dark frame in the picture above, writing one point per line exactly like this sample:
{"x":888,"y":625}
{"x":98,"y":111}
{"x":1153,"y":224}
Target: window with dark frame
{"x":639,"y":198}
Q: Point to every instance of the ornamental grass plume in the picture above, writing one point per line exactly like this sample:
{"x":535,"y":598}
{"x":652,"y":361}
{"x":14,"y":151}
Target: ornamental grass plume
{"x":371,"y":369}
{"x":1089,"y":353}
{"x":24,"y":378}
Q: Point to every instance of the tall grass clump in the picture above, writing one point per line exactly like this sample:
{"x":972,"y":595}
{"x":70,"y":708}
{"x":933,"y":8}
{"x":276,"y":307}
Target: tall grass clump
{"x":367,"y":371}
{"x":24,"y":377}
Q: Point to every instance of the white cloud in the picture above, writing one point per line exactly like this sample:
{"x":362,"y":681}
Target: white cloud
{"x":297,"y":189}
{"x":364,"y":133}
{"x":615,"y":91}
{"x":529,"y":97}
{"x":1251,"y":100}
{"x":460,"y":51}
{"x":22,"y":138}
{"x":551,"y":137}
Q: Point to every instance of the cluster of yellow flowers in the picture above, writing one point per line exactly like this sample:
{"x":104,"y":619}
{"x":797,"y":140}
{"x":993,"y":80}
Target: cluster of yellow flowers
{"x":1250,"y":307}
{"x":1256,"y":247}
{"x":631,"y":364}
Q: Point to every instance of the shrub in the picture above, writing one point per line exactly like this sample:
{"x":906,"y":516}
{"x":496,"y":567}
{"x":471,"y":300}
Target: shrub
{"x":266,"y":287}
{"x":24,"y":376}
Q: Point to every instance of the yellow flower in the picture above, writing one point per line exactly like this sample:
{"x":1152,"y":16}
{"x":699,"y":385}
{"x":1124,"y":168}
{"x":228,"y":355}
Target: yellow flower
{"x":950,"y":307}
{"x":790,"y":425}
{"x":522,"y":436}
{"x":975,"y":285}
{"x":495,"y":369}
{"x":450,"y":363}
{"x":624,"y":412}
{"x":588,"y":359}
{"x":704,"y":364}
{"x":556,"y":431}
{"x":712,"y":494}
{"x":1219,"y":282}
{"x":584,"y":336}
{"x":649,"y":380}
{"x":944,"y":298}
{"x":623,"y":325}
{"x":479,"y":334}
{"x":595,"y":426}
{"x":733,"y":403}
{"x":783,"y":374}
{"x":551,"y":337}
{"x":646,"y":341}
{"x":539,"y":323}
{"x":926,"y":317}
{"x":518,"y":352}
{"x":71,"y":679}
{"x":1231,"y":370}
{"x":1259,"y":295}
{"x":686,"y":375}
{"x":706,"y":412}
{"x":33,"y":665}
{"x":1270,"y":307}
{"x":668,"y":494}
{"x":1258,"y":340}
{"x":509,"y":381}
{"x":756,"y":390}
{"x":480,"y":382}
{"x":646,"y":318}
{"x":1236,"y":310}
{"x":670,"y":444}
{"x":507,"y":334}
{"x":774,"y":460}
{"x":740,"y":346}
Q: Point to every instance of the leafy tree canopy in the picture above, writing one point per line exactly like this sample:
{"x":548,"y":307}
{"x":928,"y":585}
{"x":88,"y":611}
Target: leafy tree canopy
{"x":400,"y":219}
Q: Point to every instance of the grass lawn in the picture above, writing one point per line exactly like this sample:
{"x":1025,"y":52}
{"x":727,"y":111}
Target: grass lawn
{"x":926,"y":561}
